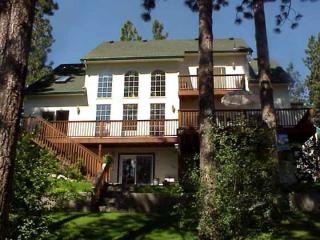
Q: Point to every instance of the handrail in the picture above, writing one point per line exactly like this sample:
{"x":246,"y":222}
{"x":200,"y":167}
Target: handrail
{"x":286,"y":117}
{"x":221,"y":82}
{"x":118,"y":128}
{"x":65,"y":148}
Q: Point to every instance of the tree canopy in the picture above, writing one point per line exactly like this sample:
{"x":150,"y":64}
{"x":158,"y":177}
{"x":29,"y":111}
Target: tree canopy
{"x":312,"y":62}
{"x":129,"y":32}
{"x":157,"y":31}
{"x":42,"y":40}
{"x":297,"y":89}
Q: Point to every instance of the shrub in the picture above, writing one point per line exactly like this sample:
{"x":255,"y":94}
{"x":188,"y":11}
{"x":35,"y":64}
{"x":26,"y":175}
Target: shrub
{"x":243,"y":195}
{"x":245,"y":166}
{"x":31,"y":182}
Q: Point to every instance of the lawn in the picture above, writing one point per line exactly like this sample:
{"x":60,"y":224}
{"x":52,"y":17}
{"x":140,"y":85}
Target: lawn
{"x":116,"y":226}
{"x":73,"y":226}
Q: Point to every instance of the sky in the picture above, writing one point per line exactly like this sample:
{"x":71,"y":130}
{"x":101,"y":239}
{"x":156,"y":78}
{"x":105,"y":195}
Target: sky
{"x":80,"y":25}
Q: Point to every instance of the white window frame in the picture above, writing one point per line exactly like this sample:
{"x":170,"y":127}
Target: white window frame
{"x":104,"y":86}
{"x":131,"y":84}
{"x":158,"y":83}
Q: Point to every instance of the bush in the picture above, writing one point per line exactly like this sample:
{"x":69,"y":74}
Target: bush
{"x":245,"y":166}
{"x":33,"y":167}
{"x":243,"y":197}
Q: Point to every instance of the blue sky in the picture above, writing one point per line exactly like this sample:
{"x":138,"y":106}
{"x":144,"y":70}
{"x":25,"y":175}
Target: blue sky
{"x":80,"y":25}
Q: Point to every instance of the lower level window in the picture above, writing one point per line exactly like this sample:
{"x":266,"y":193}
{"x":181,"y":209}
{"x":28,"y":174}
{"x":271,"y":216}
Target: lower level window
{"x":130,"y":116}
{"x":102,"y":116}
{"x":136,"y":169}
{"x":157,"y":117}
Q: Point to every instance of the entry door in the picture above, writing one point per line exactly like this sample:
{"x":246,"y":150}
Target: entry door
{"x":136,"y":169}
{"x":64,"y":117}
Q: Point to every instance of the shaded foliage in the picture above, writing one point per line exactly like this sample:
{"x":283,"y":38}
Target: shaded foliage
{"x":244,"y":195}
{"x":307,"y":159}
{"x":31,"y":182}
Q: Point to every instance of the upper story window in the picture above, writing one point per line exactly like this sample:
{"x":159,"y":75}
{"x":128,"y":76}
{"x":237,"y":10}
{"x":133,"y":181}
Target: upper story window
{"x":105,"y":86}
{"x":158,"y":83}
{"x":131,"y":84}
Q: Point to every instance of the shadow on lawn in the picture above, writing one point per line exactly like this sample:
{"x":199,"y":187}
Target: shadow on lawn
{"x":300,"y":226}
{"x":111,"y":226}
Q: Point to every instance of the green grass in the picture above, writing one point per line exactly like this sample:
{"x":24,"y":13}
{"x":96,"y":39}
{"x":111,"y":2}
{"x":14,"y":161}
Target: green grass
{"x":72,"y":226}
{"x":116,"y":226}
{"x":65,"y":186}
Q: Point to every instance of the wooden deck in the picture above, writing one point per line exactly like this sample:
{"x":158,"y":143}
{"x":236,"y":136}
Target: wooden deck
{"x":189,"y":84}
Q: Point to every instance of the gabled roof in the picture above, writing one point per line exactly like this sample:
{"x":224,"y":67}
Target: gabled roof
{"x":156,"y":49}
{"x":278,"y":74}
{"x":49,"y":86}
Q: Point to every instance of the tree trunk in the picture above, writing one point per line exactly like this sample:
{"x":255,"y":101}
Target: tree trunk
{"x":16,"y":18}
{"x":266,"y":91}
{"x":206,"y":106}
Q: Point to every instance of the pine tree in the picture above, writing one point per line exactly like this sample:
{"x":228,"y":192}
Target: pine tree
{"x":312,"y":62}
{"x":157,"y":31}
{"x":129,"y":32}
{"x":42,"y":40}
{"x":297,"y":91}
{"x":16,"y":19}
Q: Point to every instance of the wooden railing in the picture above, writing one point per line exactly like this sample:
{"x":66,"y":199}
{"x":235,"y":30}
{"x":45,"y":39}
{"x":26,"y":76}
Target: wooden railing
{"x":114,"y":128}
{"x":65,"y":148}
{"x":285,"y":117}
{"x":221,"y":82}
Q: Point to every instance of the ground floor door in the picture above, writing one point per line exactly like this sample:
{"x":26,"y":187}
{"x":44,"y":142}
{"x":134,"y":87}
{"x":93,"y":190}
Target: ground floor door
{"x":136,"y":169}
{"x":62,"y":117}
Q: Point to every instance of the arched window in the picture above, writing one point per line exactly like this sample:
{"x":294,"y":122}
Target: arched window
{"x":131,"y":84}
{"x":105,"y":86}
{"x":158,"y":83}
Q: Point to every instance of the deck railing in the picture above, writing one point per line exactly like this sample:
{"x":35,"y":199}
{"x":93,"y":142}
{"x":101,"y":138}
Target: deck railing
{"x":67,"y":150}
{"x":221,"y":82}
{"x":121,"y":128}
{"x":285,"y":117}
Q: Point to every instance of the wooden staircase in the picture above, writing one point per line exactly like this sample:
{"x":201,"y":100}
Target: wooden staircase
{"x":68,"y":151}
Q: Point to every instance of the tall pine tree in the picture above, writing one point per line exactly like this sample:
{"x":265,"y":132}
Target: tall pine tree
{"x":157,"y":31}
{"x":312,"y":62}
{"x":16,"y":20}
{"x":42,"y":40}
{"x":129,"y":32}
{"x":297,"y":90}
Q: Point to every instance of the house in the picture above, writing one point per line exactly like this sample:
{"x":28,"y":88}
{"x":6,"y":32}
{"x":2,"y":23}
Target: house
{"x":138,"y":102}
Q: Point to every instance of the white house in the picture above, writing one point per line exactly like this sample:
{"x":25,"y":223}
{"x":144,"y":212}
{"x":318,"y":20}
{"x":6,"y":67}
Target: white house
{"x":128,"y":100}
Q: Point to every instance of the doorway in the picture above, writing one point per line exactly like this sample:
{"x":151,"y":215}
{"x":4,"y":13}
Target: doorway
{"x":136,"y":169}
{"x":62,"y":116}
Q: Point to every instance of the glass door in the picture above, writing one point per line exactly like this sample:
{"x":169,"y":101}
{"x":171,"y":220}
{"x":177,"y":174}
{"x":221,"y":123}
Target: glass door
{"x":136,"y":169}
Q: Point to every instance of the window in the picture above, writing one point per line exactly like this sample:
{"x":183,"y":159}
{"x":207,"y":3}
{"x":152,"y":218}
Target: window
{"x":157,"y":116}
{"x":220,"y":81}
{"x":105,"y":86}
{"x":131,"y":84}
{"x":103,"y":112}
{"x":102,"y":115}
{"x":219,"y":71}
{"x":130,"y":112}
{"x":158,"y":83}
{"x":48,"y":116}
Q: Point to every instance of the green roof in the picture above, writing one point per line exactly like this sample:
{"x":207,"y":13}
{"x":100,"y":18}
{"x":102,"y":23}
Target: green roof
{"x":160,"y":49}
{"x":49,"y":86}
{"x":278,"y":74}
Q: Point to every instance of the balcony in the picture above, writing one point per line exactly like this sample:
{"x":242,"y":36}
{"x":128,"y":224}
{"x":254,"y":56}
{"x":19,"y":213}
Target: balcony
{"x":120,"y":131}
{"x":286,"y":118}
{"x":189,"y":84}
